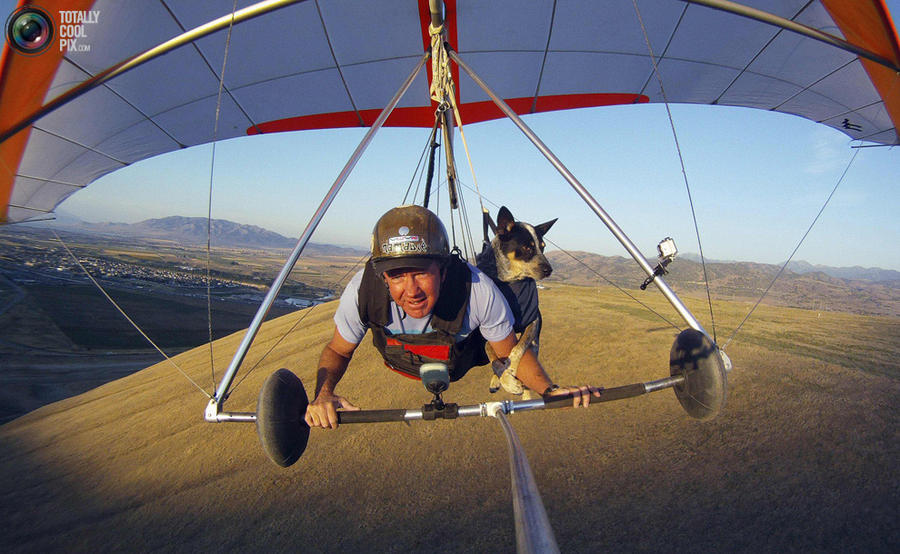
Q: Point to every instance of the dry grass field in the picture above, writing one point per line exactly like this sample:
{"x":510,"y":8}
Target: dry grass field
{"x":803,"y":457}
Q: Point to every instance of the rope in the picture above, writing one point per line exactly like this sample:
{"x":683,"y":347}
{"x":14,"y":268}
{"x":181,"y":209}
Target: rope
{"x":681,"y":161}
{"x":212,"y":165}
{"x":462,"y":134}
{"x":131,"y":321}
{"x":440,"y":65}
{"x":443,"y":91}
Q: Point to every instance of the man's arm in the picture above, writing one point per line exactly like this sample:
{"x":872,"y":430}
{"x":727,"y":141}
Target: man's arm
{"x":530,"y":370}
{"x":333,"y":362}
{"x":533,"y":376}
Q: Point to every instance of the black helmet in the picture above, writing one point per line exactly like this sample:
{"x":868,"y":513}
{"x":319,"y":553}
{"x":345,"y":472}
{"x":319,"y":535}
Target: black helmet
{"x":408,"y":236}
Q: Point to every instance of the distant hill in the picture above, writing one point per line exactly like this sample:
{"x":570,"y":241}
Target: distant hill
{"x":738,"y":281}
{"x":855,"y":273}
{"x":193,"y":230}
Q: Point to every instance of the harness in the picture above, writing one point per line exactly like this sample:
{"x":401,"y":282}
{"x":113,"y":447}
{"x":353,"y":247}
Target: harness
{"x":521,"y":295}
{"x":406,"y":352}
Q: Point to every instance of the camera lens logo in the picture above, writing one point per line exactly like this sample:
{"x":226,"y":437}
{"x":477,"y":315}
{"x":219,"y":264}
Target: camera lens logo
{"x":29,"y":30}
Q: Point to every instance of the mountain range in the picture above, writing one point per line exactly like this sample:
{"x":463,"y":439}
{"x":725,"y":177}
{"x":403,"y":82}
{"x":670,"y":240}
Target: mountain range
{"x":224,"y":233}
{"x":193,"y":230}
{"x":856,"y":273}
{"x":858,"y":290}
{"x":744,"y":281}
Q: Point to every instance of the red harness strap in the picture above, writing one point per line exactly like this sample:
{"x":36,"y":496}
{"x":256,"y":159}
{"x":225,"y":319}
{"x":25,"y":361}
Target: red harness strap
{"x":435,"y":351}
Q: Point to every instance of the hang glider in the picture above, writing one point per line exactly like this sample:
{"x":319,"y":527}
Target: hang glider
{"x":323,"y":64}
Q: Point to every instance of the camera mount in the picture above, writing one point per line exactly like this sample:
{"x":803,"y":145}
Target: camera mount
{"x":666,"y":251}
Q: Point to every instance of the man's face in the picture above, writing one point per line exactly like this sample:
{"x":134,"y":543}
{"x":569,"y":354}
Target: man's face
{"x":415,"y":290}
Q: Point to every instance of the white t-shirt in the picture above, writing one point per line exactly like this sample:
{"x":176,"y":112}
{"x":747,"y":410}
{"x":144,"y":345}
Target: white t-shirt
{"x":487,"y":311}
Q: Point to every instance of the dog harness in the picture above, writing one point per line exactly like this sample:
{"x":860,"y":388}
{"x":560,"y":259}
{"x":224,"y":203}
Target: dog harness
{"x":405,"y":353}
{"x":521,"y":295}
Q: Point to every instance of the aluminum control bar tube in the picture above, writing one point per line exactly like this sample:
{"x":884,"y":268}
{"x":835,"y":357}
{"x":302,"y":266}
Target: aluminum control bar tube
{"x":213,"y":410}
{"x":488,"y":409}
{"x":114,"y":71}
{"x":586,"y":196}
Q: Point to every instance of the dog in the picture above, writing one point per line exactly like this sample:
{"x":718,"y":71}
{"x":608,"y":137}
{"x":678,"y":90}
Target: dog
{"x":515,"y":259}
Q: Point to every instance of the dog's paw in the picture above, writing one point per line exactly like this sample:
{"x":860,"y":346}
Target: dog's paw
{"x":510,"y":384}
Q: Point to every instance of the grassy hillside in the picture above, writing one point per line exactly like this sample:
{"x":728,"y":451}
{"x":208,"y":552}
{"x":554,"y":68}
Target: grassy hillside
{"x":802,"y":458}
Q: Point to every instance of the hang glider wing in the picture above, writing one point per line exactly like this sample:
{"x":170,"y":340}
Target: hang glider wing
{"x":330,"y":63}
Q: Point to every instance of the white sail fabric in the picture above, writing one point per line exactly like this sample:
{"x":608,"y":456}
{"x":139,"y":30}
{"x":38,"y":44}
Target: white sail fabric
{"x":334,"y":63}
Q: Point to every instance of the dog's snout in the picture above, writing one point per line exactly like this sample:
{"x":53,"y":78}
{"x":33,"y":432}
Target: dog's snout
{"x":546,"y":270}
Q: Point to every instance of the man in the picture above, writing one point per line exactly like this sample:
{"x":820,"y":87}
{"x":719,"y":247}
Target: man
{"x":422,"y":305}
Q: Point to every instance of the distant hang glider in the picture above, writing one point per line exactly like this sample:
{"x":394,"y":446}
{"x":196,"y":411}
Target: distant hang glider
{"x":325,"y":63}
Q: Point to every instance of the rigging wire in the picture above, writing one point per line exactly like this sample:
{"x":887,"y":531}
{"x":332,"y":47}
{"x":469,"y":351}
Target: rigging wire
{"x":212,"y":165}
{"x":617,"y":287}
{"x":687,"y":185}
{"x":796,"y":248}
{"x":595,"y":272}
{"x":464,"y":221}
{"x":462,"y":134}
{"x":856,"y":150}
{"x":467,"y":230}
{"x":294,"y":326}
{"x":418,"y":171}
{"x":131,"y":321}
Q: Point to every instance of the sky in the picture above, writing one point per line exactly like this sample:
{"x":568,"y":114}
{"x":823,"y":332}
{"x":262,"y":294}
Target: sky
{"x":757,"y":180}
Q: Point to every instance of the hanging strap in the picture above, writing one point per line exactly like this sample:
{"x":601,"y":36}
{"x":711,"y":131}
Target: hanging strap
{"x":487,"y":222}
{"x":433,"y":144}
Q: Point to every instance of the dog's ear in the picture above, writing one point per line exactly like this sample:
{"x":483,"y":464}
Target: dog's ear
{"x":542,"y":229}
{"x":505,"y":222}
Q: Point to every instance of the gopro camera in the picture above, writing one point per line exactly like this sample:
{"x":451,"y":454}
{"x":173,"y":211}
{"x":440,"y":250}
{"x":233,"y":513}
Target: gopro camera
{"x":667,"y":252}
{"x":435,"y":377}
{"x":667,"y":249}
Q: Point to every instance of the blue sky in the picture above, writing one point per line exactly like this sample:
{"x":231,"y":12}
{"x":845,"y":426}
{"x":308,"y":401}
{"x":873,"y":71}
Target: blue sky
{"x":757,"y":180}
